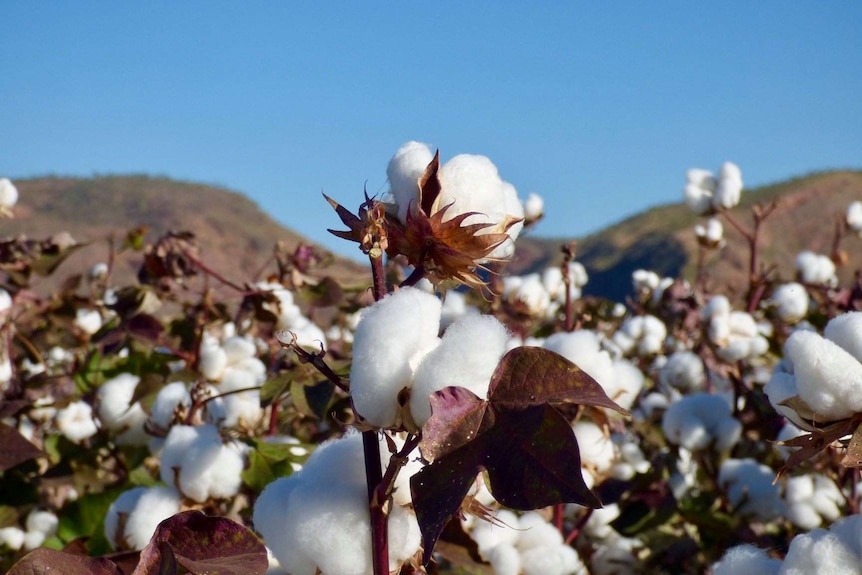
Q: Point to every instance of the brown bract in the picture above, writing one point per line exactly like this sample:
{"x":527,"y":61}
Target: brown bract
{"x":443,"y":248}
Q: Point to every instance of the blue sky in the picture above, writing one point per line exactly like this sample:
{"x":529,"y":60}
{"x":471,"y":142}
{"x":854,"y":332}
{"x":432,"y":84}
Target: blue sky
{"x":598,"y":107}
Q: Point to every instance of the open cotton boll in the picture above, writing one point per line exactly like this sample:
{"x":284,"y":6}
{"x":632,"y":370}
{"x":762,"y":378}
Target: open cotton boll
{"x":698,"y":190}
{"x":616,"y":556}
{"x":699,"y":420}
{"x":467,"y":356}
{"x":471,"y":183}
{"x":641,"y":335}
{"x":811,"y":500}
{"x":88,"y":320}
{"x":683,"y":371}
{"x":552,"y":560}
{"x":535,"y":531}
{"x":391,"y":339}
{"x":76,"y":422}
{"x":583,"y":348}
{"x":12,"y":538}
{"x":528,"y":293}
{"x":846,"y":331}
{"x":8,"y":195}
{"x":503,"y":531}
{"x":746,"y":560}
{"x":534,"y":207}
{"x":116,"y":412}
{"x":504,"y":559}
{"x":711,"y":234}
{"x":318,"y":517}
{"x":791,"y":302}
{"x":626,"y":383}
{"x":750,"y":489}
{"x":404,"y":170}
{"x":142,"y":509}
{"x":195,"y":460}
{"x":597,"y":449}
{"x":212,"y":359}
{"x":816,"y":269}
{"x":44,"y":522}
{"x":729,"y":189}
{"x":828,"y":379}
{"x":171,"y":397}
{"x":455,"y":306}
{"x":820,"y":551}
{"x":854,"y":217}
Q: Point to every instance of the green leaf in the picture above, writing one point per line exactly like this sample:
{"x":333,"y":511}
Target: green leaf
{"x":312,"y":400}
{"x":274,"y":387}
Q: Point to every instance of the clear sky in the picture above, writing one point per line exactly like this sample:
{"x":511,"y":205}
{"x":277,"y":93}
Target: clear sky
{"x":599,"y":107}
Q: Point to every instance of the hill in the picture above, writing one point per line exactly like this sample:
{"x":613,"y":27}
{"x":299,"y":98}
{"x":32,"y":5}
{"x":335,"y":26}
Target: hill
{"x":235,"y":237}
{"x":662,"y":239}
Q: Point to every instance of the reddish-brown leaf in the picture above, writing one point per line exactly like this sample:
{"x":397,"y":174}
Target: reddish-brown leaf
{"x":14,"y":448}
{"x":44,"y":561}
{"x":459,"y":415}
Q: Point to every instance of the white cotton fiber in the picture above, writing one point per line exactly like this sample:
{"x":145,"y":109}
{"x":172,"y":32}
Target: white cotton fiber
{"x":534,"y":207}
{"x":699,"y":420}
{"x":467,"y":356}
{"x":596,"y":448}
{"x":169,"y":398}
{"x":391,"y":339}
{"x":582,"y":348}
{"x":821,"y":551}
{"x":404,"y":170}
{"x":318,"y":517}
{"x":854,"y":217}
{"x":846,"y":331}
{"x":76,"y":422}
{"x":746,"y":560}
{"x":791,"y":302}
{"x":750,"y":489}
{"x":828,"y":378}
{"x":203,"y":466}
{"x":44,"y":522}
{"x":815,"y":269}
{"x":811,"y":500}
{"x":144,"y":508}
{"x":683,"y":371}
{"x":504,"y":559}
{"x":8,"y":195}
{"x":117,"y":414}
{"x":535,"y":531}
{"x":503,"y":531}
{"x":12,"y":538}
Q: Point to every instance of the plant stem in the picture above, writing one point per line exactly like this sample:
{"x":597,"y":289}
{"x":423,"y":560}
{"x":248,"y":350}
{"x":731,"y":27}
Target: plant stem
{"x":373,"y":471}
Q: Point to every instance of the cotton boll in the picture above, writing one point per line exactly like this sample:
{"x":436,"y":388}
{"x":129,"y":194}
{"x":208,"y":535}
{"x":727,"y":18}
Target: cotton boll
{"x":746,"y":560}
{"x":33,"y":539}
{"x":206,"y":467}
{"x":829,"y":379}
{"x":820,"y":551}
{"x":535,"y":531}
{"x":791,"y":302}
{"x":697,"y":198}
{"x":596,"y":448}
{"x":617,"y":556}
{"x":503,"y":531}
{"x":534,"y":207}
{"x":76,"y":422}
{"x":88,"y":320}
{"x":454,"y":307}
{"x":854,"y":217}
{"x":504,"y":560}
{"x":212,"y":360}
{"x":471,"y":183}
{"x":846,"y":331}
{"x":12,"y":538}
{"x":42,"y":522}
{"x":529,"y":292}
{"x":8,"y":195}
{"x":391,"y":339}
{"x":626,"y":383}
{"x":170,"y":397}
{"x":404,"y":170}
{"x":699,"y":420}
{"x":816,"y":269}
{"x":598,"y":526}
{"x":683,"y":371}
{"x":729,"y":189}
{"x":811,"y":500}
{"x":116,"y":412}
{"x":551,"y":560}
{"x":143,"y":509}
{"x":467,"y":356}
{"x":750,"y":489}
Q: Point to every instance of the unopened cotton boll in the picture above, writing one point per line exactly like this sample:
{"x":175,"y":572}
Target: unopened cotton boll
{"x":746,"y":560}
{"x":391,"y":339}
{"x":750,"y":488}
{"x":117,"y":412}
{"x":138,"y":512}
{"x":699,"y":420}
{"x":76,"y":422}
{"x":791,"y":302}
{"x":404,"y":171}
{"x":467,"y":356}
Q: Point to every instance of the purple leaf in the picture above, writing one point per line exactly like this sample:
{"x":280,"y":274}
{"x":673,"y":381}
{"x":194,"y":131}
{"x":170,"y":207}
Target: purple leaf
{"x":44,"y":561}
{"x":14,"y":448}
{"x":534,"y":376}
{"x":458,"y":417}
{"x":202,"y":545}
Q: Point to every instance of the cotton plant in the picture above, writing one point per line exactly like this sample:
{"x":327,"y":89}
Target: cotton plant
{"x":736,"y":335}
{"x":650,"y":286}
{"x":705,"y":193}
{"x":816,"y":269}
{"x":791,"y":302}
{"x":684,"y":372}
{"x":544,"y":294}
{"x":290,"y":317}
{"x":236,"y":374}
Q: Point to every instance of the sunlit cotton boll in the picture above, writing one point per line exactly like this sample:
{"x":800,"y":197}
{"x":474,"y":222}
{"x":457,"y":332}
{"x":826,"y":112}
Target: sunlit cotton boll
{"x":391,"y":339}
{"x":471,"y":183}
{"x":76,"y":422}
{"x":88,"y":320}
{"x":699,"y":188}
{"x":746,"y":560}
{"x":133,"y":517}
{"x":811,"y":500}
{"x":195,"y":460}
{"x":534,"y":207}
{"x":711,"y":234}
{"x":641,"y":335}
{"x":750,"y":489}
{"x":729,"y":189}
{"x":700,"y":420}
{"x":529,"y":293}
{"x":12,"y":538}
{"x":683,"y":371}
{"x":821,"y":551}
{"x":596,"y":447}
{"x":8,"y":196}
{"x":467,"y":356}
{"x":117,"y":412}
{"x":404,"y":170}
{"x":318,"y":517}
{"x":791,"y":302}
{"x":854,"y":217}
{"x":816,"y":269}
{"x":171,"y":397}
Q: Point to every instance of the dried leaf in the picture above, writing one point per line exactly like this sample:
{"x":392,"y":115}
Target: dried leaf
{"x":815,"y":442}
{"x":853,"y":456}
